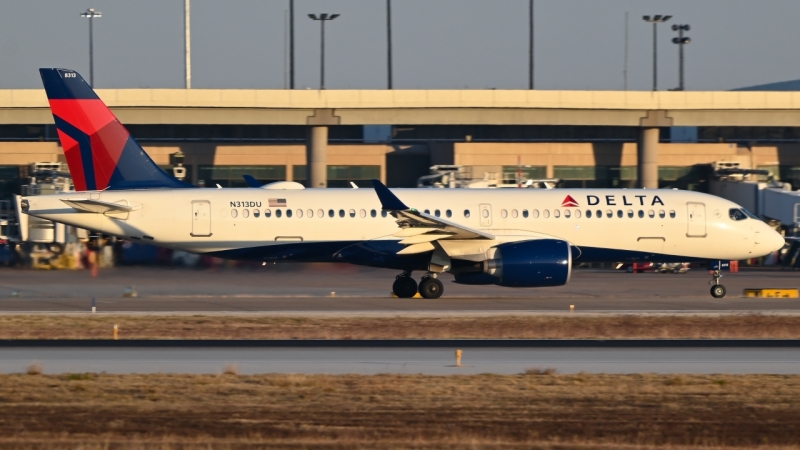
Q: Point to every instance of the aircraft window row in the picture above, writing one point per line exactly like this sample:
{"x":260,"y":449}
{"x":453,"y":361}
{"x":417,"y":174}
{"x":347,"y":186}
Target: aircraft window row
{"x":310,"y":213}
{"x":447,"y":213}
{"x":568,"y":213}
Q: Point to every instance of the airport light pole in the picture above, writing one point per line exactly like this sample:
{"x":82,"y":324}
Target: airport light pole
{"x":291,"y":44}
{"x":91,"y":14}
{"x":389,"y":42}
{"x":655,"y":20}
{"x":530,"y":44}
{"x":681,"y":40}
{"x":322,"y":18}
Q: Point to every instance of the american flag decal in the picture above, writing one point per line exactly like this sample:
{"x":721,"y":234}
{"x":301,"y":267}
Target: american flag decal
{"x":277,"y":203}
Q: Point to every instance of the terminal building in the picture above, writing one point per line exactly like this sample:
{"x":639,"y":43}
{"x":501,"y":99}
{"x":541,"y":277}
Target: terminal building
{"x":585,"y":138}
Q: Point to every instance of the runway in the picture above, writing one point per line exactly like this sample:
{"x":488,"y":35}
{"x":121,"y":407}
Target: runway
{"x":343,"y":289}
{"x":434,"y":359}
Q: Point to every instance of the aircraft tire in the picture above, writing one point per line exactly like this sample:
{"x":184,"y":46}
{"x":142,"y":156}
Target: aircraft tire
{"x":431,"y":288}
{"x":404,"y":287}
{"x":718,"y":291}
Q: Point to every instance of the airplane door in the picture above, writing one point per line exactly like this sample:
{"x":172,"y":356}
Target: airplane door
{"x":697,"y":219}
{"x":486,"y":215}
{"x":201,"y":218}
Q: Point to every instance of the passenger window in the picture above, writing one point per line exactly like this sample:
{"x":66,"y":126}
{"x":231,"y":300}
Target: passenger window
{"x":437,"y":213}
{"x":734,"y":213}
{"x":485,"y":213}
{"x":320,"y":213}
{"x":310,"y":213}
{"x":599,"y":214}
{"x":630,"y":213}
{"x":503,"y":213}
{"x":620,"y":214}
{"x":546,"y":213}
{"x":514,"y":213}
{"x":331,"y":213}
{"x":352,"y":213}
{"x":362,"y":213}
{"x":267,"y":213}
{"x":299,"y":213}
{"x":288,"y":213}
{"x":427,"y":211}
{"x":256,"y":213}
{"x":234,"y":213}
{"x":384,"y":213}
{"x":556,"y":213}
{"x":567,"y":214}
{"x":278,"y":213}
{"x":449,"y":214}
{"x":525,"y":213}
{"x":661,"y":213}
{"x":651,"y":214}
{"x":245,"y":213}
{"x":641,"y":214}
{"x":466,"y":213}
{"x":672,"y":213}
{"x":341,"y":213}
{"x":373,"y":213}
{"x":588,"y":213}
{"x":609,"y":213}
{"x":535,"y":213}
{"x":577,"y":213}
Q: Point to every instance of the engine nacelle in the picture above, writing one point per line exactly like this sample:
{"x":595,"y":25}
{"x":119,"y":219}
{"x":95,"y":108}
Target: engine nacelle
{"x":534,"y":263}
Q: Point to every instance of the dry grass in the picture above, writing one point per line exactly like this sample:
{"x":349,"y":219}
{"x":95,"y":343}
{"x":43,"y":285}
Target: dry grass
{"x":520,"y":327}
{"x":92,"y":411}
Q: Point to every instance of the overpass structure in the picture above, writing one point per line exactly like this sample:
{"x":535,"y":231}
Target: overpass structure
{"x":321,"y":109}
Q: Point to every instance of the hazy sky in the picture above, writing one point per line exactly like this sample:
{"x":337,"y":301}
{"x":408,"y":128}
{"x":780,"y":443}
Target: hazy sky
{"x":438,"y":44}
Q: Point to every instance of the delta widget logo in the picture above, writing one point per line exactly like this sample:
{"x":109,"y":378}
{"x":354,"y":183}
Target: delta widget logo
{"x":569,"y":202}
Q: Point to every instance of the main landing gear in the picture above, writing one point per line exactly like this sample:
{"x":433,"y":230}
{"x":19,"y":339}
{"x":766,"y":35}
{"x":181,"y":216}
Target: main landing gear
{"x":717,"y":290}
{"x":429,"y":286}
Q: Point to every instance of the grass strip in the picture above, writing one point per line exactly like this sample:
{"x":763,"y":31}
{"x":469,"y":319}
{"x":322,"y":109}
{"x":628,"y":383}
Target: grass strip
{"x":500,"y":327}
{"x":534,"y":410}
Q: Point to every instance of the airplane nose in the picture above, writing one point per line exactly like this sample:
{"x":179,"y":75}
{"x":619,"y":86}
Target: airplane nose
{"x":775,"y":241}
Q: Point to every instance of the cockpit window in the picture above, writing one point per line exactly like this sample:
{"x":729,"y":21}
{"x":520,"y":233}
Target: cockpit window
{"x":737,"y":214}
{"x":750,"y":215}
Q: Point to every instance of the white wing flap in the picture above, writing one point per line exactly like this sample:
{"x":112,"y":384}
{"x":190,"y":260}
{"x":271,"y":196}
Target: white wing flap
{"x":420,"y":238}
{"x":416,"y":248}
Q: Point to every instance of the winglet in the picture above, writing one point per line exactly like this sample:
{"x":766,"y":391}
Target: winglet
{"x":389,"y":201}
{"x":252,"y":182}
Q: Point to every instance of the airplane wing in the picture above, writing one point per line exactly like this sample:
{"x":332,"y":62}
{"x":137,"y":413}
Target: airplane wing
{"x":420,"y":230}
{"x":98,"y":207}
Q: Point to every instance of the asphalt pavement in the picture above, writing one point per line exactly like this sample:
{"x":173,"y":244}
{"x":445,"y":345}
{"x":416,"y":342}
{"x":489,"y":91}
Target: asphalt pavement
{"x":344,"y":289}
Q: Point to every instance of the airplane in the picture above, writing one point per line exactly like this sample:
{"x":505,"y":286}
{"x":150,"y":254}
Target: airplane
{"x":505,"y":237}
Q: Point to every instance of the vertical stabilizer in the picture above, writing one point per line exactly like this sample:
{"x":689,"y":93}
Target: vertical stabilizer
{"x":100,"y":152}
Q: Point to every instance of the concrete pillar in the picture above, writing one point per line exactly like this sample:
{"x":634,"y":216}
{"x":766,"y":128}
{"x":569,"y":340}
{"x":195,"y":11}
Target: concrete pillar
{"x":317,"y":157}
{"x":648,"y":158}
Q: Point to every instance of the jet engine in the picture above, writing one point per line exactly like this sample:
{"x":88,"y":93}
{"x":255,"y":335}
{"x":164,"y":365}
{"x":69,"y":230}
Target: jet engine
{"x":534,"y":263}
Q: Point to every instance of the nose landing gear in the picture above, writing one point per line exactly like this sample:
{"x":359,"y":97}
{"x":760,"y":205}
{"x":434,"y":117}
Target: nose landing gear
{"x":717,"y":290}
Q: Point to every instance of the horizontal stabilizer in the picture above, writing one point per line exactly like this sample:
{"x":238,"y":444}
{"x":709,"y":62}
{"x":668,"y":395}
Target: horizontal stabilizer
{"x":98,"y":207}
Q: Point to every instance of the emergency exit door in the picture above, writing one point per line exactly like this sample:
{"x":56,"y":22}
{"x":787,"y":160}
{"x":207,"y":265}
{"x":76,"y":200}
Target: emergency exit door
{"x":696,"y":220}
{"x":201,"y":218}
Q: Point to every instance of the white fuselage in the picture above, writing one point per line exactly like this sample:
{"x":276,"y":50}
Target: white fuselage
{"x":668,"y":222}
